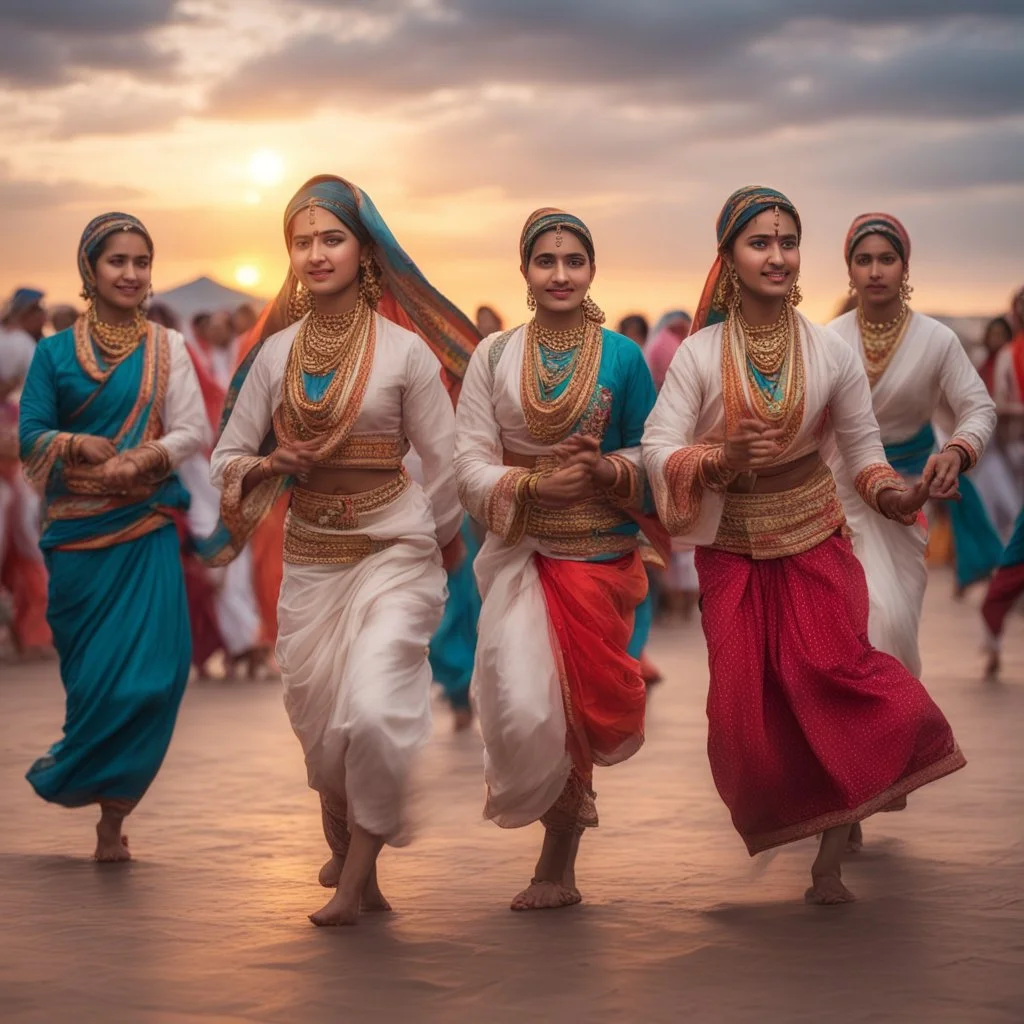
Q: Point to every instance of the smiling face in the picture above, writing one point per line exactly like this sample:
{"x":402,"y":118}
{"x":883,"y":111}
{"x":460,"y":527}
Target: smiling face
{"x":766,"y":255}
{"x":123,"y":270}
{"x":876,"y":270}
{"x":559,"y":275}
{"x":324,"y":252}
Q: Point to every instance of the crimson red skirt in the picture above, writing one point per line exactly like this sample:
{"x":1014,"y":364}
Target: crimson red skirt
{"x":590,"y":607}
{"x":809,"y":726}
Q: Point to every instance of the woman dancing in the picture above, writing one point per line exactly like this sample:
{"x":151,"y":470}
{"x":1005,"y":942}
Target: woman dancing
{"x":110,"y":407}
{"x":325,"y":406}
{"x":809,"y":728}
{"x":547,"y":457}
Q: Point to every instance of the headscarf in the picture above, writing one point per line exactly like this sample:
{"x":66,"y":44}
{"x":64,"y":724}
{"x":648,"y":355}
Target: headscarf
{"x":739,"y":210}
{"x":548,"y":218}
{"x":884,"y":224}
{"x":21,"y":300}
{"x":407,"y":297}
{"x":96,"y":232}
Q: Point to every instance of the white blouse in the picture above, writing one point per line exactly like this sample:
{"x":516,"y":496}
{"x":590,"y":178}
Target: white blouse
{"x":186,"y":428}
{"x":691,"y":411}
{"x":930,"y":377}
{"x":404,"y":398}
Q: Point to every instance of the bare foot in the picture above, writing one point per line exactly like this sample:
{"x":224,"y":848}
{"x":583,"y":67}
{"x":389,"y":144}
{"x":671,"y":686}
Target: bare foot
{"x":462,"y":719}
{"x":331,"y":872}
{"x":336,"y":912}
{"x":372,"y":900}
{"x":546,"y":896}
{"x":828,"y":891}
{"x":856,"y":841}
{"x":111,"y":846}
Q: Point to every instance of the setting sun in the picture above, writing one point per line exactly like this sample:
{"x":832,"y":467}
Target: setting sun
{"x":266,"y":168}
{"x":247,"y":276}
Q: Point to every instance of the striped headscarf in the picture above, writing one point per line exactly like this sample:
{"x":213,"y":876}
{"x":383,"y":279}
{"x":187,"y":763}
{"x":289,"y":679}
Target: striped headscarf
{"x":739,"y":210}
{"x":884,"y":224}
{"x":407,"y":297}
{"x":96,"y":232}
{"x":548,"y":218}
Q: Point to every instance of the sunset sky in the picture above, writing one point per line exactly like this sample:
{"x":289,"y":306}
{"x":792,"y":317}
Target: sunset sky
{"x":461,"y":116}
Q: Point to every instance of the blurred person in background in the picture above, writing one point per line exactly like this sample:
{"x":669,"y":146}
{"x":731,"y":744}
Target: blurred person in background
{"x":488,"y":321}
{"x":663,"y":342}
{"x":62,"y":317}
{"x":161,"y":313}
{"x":243,"y":320}
{"x":634,"y":326}
{"x":22,"y":570}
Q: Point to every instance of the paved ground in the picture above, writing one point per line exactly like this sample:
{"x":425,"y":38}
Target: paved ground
{"x":209,"y":923}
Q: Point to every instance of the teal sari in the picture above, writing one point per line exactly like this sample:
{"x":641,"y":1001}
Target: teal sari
{"x":976,"y":544}
{"x":117,"y":597}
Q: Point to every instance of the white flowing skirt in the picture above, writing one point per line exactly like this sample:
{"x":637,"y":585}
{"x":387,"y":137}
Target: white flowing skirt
{"x":516,"y":689}
{"x":352,"y":646}
{"x":892,"y":556}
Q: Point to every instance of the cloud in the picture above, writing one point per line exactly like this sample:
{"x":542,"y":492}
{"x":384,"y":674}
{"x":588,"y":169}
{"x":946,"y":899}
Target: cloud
{"x":47,"y":43}
{"x":24,"y":196}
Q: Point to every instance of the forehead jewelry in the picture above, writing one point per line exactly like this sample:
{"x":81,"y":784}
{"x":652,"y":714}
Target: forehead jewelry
{"x":312,"y":213}
{"x":778,"y":220}
{"x":558,"y":235}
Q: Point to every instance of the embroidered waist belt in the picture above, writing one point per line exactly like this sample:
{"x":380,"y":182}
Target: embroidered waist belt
{"x":580,"y":530}
{"x":775,"y":525}
{"x":313,"y":518}
{"x":367,"y":451}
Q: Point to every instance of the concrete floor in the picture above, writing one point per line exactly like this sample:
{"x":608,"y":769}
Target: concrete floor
{"x":209,"y":923}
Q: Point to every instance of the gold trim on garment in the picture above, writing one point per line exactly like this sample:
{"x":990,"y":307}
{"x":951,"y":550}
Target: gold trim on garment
{"x":342,"y":511}
{"x":305,"y":546}
{"x":782,"y":523}
{"x":367,"y":451}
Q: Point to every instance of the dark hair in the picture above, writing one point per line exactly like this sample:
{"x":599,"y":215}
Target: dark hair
{"x":634,"y":320}
{"x":199,"y":321}
{"x":161,"y":313}
{"x":1000,"y":321}
{"x":93,"y":255}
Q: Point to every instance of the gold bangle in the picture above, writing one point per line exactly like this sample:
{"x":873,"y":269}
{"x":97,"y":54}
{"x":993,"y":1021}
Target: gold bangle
{"x":266,"y":468}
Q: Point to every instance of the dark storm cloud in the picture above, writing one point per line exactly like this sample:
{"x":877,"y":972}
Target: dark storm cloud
{"x":44,"y":43}
{"x":795,"y":62}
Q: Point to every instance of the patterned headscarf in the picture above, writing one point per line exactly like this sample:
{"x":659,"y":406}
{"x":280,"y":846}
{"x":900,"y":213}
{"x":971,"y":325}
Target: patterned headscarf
{"x":739,"y":210}
{"x":96,"y":232}
{"x":407,"y":297}
{"x":550,"y":219}
{"x":884,"y":224}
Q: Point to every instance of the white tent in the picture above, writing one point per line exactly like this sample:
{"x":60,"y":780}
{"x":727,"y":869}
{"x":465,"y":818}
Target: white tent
{"x":204,"y":295}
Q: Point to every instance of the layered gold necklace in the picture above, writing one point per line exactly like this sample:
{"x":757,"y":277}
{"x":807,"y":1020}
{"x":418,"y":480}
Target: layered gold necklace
{"x":764,"y":375}
{"x":881,"y":340}
{"x":114,"y":342}
{"x":550,"y":359}
{"x":341,"y":346}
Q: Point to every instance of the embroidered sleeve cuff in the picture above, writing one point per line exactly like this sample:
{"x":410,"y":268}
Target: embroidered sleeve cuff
{"x":627,"y":491}
{"x":678,"y":491}
{"x":876,"y":478}
{"x":48,"y":450}
{"x":505,"y":513}
{"x":241,"y":515}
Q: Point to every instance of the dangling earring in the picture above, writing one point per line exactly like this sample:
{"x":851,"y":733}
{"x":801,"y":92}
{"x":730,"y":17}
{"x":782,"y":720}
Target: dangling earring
{"x":733,"y":296}
{"x":369,"y":281}
{"x":853,"y":288}
{"x":300,"y":302}
{"x":906,"y":289}
{"x":795,"y":296}
{"x":592,"y":311}
{"x":531,"y":301}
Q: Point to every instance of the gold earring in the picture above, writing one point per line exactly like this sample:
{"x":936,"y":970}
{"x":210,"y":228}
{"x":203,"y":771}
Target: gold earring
{"x":592,"y":311}
{"x":853,"y":288}
{"x":531,"y":301}
{"x":906,"y":289}
{"x":795,"y":296}
{"x":369,"y":281}
{"x":300,"y":302}
{"x":733,"y":293}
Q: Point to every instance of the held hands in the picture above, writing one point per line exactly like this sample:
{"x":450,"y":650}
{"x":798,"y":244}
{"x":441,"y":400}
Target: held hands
{"x":95,"y":450}
{"x":942,"y":474}
{"x":582,"y":473}
{"x":904,"y":504}
{"x":293,"y":460}
{"x":752,"y":446}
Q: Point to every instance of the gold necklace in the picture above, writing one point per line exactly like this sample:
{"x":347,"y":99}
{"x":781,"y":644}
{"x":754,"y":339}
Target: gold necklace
{"x":317,"y":351}
{"x":117,"y":341}
{"x":767,"y":345}
{"x":742,"y":392}
{"x":550,"y":420}
{"x":881,"y":340}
